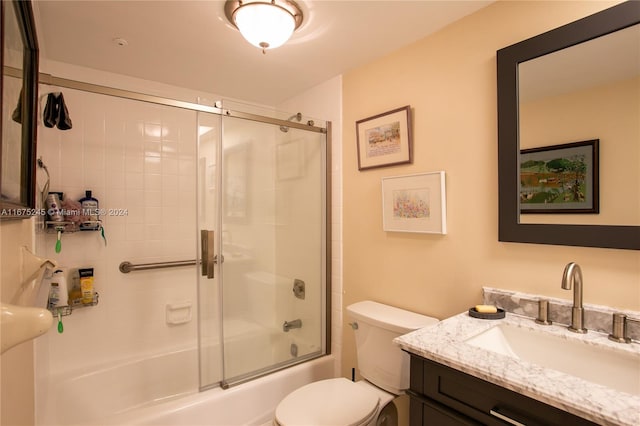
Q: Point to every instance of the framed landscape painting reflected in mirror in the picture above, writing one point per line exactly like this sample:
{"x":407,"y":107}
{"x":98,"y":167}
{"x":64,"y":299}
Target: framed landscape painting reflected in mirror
{"x":560,"y":178}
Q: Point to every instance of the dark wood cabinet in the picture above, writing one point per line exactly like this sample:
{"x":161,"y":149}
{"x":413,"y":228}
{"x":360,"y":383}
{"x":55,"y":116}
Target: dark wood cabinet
{"x":443,"y":396}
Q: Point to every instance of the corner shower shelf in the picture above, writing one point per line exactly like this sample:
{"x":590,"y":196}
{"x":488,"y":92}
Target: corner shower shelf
{"x":53,"y":227}
{"x":68,"y":310}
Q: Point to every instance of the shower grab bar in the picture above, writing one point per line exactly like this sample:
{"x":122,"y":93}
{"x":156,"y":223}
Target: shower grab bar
{"x":126,"y":267}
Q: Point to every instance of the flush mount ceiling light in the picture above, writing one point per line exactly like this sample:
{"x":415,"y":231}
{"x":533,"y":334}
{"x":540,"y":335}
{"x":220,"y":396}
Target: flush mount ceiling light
{"x":266,"y":24}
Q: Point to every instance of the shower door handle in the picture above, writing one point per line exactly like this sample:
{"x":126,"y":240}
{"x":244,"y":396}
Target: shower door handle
{"x":208,"y":257}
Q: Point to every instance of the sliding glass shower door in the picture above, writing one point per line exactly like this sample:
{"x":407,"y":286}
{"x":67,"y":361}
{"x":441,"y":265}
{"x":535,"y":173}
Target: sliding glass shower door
{"x":209,"y":284}
{"x":268,"y":181}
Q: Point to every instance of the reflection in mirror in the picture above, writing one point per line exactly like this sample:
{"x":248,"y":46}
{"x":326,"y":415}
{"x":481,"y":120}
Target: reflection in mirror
{"x":11,"y":126}
{"x":19,"y":89}
{"x":619,"y":218}
{"x":585,"y":92}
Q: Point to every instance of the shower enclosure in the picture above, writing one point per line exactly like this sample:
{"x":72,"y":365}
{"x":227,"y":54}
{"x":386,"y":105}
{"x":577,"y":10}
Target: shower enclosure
{"x":262,"y":218}
{"x":227,"y":208}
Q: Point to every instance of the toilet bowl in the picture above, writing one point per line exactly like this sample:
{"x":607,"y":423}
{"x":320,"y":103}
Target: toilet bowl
{"x":385,"y":368}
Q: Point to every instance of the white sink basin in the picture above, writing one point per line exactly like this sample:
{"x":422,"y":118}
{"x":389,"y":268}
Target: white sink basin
{"x":617,"y":369}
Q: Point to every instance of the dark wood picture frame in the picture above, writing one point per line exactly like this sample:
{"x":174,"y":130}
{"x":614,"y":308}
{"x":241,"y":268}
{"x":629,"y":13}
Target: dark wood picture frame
{"x":385,"y":139}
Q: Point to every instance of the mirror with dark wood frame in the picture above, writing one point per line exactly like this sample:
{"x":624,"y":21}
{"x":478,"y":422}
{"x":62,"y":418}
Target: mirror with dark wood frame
{"x":509,"y":59}
{"x":19,"y":90}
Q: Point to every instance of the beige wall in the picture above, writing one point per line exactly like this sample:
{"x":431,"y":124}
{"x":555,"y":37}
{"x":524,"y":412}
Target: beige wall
{"x":16,"y":365}
{"x":449,"y":79}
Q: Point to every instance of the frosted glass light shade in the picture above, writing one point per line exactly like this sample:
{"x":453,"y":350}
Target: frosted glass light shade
{"x":264,"y":25}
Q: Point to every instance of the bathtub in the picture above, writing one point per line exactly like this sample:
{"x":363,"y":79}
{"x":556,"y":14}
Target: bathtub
{"x":94,"y":398}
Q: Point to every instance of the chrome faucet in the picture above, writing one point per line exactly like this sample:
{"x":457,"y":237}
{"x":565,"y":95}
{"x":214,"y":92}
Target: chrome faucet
{"x":573,"y":274}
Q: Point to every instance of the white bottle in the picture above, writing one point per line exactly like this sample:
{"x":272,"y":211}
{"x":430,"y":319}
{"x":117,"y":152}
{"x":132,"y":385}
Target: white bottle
{"x":59,"y":280}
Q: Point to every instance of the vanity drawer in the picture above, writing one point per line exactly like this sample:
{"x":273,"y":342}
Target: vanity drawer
{"x":480,"y":400}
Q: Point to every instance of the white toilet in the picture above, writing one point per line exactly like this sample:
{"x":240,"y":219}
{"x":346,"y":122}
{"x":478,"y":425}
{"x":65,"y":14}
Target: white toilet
{"x":385,"y":368}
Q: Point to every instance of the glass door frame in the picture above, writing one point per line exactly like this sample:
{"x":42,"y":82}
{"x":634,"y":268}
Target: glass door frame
{"x":325,"y":307}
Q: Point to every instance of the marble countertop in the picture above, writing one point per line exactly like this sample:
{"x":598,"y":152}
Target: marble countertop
{"x":445,"y":344}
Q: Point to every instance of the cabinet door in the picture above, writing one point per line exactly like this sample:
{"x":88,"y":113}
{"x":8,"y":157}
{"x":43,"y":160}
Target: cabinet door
{"x":426,"y":412}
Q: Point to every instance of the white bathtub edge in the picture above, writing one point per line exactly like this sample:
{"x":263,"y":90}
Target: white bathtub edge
{"x":218,"y":407}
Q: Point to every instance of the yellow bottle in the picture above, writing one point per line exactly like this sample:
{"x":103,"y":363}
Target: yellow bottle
{"x":86,"y":285}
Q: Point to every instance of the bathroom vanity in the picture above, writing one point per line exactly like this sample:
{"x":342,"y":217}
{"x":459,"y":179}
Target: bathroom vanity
{"x":444,"y":396}
{"x":464,"y":372}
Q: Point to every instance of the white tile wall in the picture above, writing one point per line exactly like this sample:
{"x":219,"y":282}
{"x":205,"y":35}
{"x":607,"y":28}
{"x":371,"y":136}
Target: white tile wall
{"x":138,"y":160}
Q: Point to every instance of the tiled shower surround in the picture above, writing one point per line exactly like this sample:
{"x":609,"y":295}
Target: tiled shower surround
{"x":139,"y":161}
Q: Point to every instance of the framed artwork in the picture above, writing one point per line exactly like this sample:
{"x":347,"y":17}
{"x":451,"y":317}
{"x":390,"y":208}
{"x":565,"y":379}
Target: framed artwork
{"x":415,"y":203}
{"x":385,"y":139}
{"x":560,"y":178}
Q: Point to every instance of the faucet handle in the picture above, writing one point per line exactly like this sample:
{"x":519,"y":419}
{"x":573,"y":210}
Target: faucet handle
{"x":619,"y":329}
{"x":543,"y":312}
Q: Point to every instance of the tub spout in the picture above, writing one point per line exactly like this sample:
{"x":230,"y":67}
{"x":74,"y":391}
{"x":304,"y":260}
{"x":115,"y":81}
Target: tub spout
{"x":288,"y":325}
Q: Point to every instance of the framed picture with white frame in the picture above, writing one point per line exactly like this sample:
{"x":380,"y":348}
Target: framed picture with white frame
{"x":415,"y":203}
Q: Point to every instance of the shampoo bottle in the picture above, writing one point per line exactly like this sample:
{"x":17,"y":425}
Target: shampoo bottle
{"x":90,"y":211}
{"x":58,"y":295}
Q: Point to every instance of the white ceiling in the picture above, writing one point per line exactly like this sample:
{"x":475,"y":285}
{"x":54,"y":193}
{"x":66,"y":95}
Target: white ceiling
{"x":191,"y":44}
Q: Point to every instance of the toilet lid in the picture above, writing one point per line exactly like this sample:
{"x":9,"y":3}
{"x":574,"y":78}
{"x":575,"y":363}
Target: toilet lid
{"x":328,"y":403}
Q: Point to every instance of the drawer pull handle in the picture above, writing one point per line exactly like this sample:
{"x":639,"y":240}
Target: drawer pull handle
{"x":509,"y":420}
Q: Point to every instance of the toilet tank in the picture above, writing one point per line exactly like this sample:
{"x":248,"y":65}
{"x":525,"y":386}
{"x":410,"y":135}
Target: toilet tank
{"x":380,"y":361}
